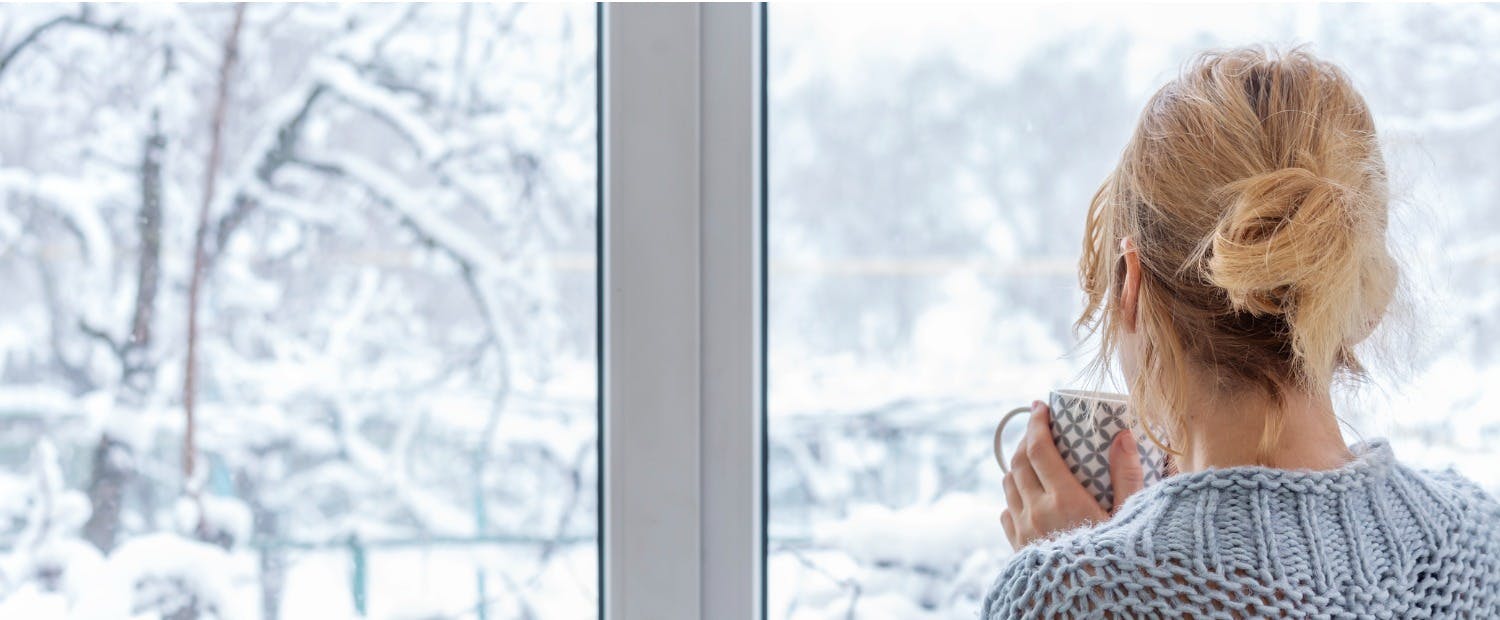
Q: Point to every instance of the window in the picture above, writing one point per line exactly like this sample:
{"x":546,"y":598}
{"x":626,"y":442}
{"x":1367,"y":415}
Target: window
{"x":393,"y":397}
{"x":929,"y":170}
{"x":512,"y":310}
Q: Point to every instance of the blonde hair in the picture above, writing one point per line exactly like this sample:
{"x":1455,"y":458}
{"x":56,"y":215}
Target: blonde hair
{"x":1255,"y":193}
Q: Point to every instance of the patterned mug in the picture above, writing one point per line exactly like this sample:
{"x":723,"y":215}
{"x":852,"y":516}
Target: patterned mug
{"x":1084,"y":424}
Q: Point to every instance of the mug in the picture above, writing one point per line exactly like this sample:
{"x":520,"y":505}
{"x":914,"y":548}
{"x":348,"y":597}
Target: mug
{"x":1084,"y":424}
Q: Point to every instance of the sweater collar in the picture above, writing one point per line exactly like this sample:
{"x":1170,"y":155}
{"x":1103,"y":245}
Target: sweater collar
{"x":1372,"y":459}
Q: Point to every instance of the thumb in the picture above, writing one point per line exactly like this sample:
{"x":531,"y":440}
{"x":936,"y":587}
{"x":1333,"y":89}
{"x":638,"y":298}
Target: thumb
{"x":1125,"y":467}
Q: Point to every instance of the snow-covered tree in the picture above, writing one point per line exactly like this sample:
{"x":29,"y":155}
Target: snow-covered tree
{"x":396,"y":241}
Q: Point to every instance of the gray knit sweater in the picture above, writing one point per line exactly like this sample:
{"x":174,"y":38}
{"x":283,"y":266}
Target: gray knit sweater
{"x":1373,"y":539}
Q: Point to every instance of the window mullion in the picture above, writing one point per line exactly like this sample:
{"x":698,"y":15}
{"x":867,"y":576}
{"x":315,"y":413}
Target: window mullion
{"x":681,"y":311}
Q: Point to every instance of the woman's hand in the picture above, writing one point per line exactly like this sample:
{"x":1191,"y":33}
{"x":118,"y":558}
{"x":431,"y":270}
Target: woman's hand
{"x":1041,"y":495}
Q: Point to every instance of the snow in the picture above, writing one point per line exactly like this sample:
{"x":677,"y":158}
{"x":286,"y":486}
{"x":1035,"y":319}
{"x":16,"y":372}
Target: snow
{"x":78,"y":201}
{"x":378,"y":101}
{"x":37,"y":400}
{"x":202,"y":570}
{"x":360,"y":329}
{"x":920,"y":535}
{"x":411,"y":295}
{"x":30,"y":602}
{"x":227,"y":515}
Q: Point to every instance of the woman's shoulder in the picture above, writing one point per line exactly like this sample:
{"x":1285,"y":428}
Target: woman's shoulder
{"x":1459,"y":487}
{"x":1450,"y":496}
{"x":1199,"y":527}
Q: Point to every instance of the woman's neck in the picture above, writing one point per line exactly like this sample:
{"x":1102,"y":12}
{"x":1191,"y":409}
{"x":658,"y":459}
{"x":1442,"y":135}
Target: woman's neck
{"x":1227,"y":433}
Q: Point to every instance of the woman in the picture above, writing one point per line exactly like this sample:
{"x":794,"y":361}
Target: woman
{"x":1231,"y":261}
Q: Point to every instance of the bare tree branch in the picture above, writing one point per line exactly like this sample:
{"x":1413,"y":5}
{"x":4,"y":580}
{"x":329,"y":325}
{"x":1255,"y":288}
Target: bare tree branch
{"x":210,"y":174}
{"x":149,"y":227}
{"x":113,"y":467}
{"x":104,"y":338}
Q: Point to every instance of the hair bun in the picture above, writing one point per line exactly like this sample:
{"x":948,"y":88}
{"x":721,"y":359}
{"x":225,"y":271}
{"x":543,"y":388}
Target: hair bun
{"x":1298,"y":244}
{"x":1280,"y":229}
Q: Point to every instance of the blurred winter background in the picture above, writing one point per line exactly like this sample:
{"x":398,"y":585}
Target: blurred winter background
{"x":930,"y":167}
{"x":393,"y":403}
{"x":394,"y":397}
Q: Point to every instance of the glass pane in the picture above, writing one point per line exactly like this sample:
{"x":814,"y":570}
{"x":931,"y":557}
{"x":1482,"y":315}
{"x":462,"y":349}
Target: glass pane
{"x":929,"y":172}
{"x":392,"y":409}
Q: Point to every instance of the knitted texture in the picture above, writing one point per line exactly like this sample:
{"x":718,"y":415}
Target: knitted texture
{"x":1372,"y":539}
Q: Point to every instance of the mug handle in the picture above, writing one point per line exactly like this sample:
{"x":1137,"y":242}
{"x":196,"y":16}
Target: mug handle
{"x":1000,"y":428}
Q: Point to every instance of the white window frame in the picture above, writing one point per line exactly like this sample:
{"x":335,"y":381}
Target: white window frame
{"x":682,"y":299}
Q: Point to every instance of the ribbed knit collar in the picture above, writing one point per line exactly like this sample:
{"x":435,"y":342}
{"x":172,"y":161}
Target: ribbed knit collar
{"x":1372,"y":460}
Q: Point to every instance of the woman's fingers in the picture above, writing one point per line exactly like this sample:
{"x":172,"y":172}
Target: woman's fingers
{"x":1025,"y":476}
{"x":1009,"y":523}
{"x":1042,"y":497}
{"x":1125,"y":471}
{"x":1013,"y":501}
{"x":1045,"y":459}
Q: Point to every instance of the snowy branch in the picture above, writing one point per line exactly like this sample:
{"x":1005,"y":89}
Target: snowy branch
{"x":348,"y":85}
{"x":82,"y":20}
{"x":476,"y":263}
{"x":275,"y":147}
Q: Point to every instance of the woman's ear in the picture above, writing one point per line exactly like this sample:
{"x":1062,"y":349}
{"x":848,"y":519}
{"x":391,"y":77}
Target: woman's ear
{"x":1130,"y":289}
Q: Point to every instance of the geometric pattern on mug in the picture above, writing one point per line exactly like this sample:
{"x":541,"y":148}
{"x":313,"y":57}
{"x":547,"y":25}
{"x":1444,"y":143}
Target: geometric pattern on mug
{"x":1083,"y":435}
